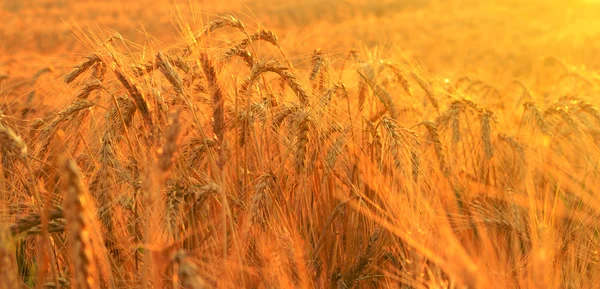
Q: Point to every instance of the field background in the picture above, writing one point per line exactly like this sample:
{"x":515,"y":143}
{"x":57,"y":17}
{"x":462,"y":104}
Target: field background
{"x":494,"y":41}
{"x":449,"y":37}
{"x":411,"y":144}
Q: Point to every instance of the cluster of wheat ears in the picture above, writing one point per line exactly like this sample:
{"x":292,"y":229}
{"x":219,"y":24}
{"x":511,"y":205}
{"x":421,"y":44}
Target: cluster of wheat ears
{"x":212,"y":167}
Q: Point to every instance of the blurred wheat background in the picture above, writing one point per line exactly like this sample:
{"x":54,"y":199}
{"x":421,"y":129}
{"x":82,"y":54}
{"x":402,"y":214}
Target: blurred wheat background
{"x":299,"y":144}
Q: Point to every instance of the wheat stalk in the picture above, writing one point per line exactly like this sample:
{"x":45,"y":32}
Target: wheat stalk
{"x":77,"y":200}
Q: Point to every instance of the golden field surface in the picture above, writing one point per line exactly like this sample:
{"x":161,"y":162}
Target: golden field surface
{"x":300,"y":144}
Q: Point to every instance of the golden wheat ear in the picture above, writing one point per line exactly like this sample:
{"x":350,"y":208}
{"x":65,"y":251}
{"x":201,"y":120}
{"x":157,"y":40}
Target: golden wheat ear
{"x":77,"y":202}
{"x":90,"y":267}
{"x":12,"y":142}
{"x":81,"y":68}
{"x":240,"y":48}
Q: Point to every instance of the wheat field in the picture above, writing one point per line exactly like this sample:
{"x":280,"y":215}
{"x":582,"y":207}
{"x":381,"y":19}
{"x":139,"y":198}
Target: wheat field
{"x":300,"y":144}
